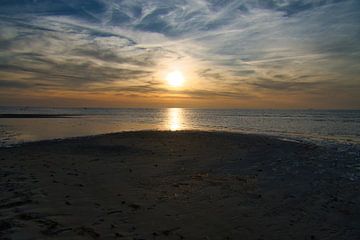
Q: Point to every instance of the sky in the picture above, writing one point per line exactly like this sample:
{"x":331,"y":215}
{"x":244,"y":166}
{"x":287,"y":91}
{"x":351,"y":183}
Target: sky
{"x":232,"y":54}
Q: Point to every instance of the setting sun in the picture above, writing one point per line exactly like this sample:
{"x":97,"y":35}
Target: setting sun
{"x":175,"y":79}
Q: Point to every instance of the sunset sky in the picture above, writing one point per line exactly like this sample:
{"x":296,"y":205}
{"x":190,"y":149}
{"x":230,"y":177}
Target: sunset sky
{"x":237,"y":54}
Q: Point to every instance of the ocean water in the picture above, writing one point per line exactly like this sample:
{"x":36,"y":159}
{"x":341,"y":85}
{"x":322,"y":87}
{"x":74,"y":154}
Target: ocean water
{"x":324,"y":126}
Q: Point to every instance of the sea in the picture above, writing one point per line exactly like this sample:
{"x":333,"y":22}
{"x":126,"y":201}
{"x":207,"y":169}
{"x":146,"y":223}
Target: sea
{"x":341,"y":127}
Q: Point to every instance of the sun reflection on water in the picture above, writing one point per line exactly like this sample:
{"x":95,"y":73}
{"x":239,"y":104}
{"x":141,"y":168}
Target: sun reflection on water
{"x":175,"y":119}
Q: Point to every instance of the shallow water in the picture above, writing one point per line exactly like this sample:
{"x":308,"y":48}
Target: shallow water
{"x":339,"y":126}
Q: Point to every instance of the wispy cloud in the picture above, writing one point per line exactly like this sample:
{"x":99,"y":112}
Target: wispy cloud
{"x":227,"y":48}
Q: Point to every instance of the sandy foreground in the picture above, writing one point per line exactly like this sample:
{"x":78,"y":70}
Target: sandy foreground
{"x":178,"y":185}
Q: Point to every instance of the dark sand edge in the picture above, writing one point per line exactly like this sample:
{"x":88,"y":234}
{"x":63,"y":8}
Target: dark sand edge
{"x":177,"y":185}
{"x":159,"y":131}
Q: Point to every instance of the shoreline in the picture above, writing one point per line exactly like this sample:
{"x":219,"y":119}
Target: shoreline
{"x":178,"y":185}
{"x":185,"y":131}
{"x":296,"y":139}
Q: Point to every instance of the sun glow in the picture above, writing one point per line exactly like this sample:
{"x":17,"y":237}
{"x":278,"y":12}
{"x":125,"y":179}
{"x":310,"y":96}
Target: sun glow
{"x":175,"y":79}
{"x":175,"y":119}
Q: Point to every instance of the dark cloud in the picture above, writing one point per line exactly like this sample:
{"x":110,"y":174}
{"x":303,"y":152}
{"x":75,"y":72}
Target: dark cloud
{"x":13,"y":84}
{"x":142,"y":60}
{"x":206,"y":94}
{"x":86,"y":10}
{"x":72,"y":74}
{"x":212,"y":75}
{"x":291,"y":86}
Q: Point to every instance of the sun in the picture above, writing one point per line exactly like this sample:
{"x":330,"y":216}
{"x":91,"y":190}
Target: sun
{"x":175,"y":79}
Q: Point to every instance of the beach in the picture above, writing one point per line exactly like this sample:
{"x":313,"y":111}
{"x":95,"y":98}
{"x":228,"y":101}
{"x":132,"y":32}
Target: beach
{"x":178,"y":185}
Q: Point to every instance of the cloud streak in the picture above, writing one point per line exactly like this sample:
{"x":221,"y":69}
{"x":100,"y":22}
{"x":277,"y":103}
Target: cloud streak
{"x":227,"y":48}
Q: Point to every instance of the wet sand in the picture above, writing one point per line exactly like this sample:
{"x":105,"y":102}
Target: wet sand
{"x":178,"y":185}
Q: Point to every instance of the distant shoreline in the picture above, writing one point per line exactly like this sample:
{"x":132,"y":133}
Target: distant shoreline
{"x":193,"y":108}
{"x":38,"y":115}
